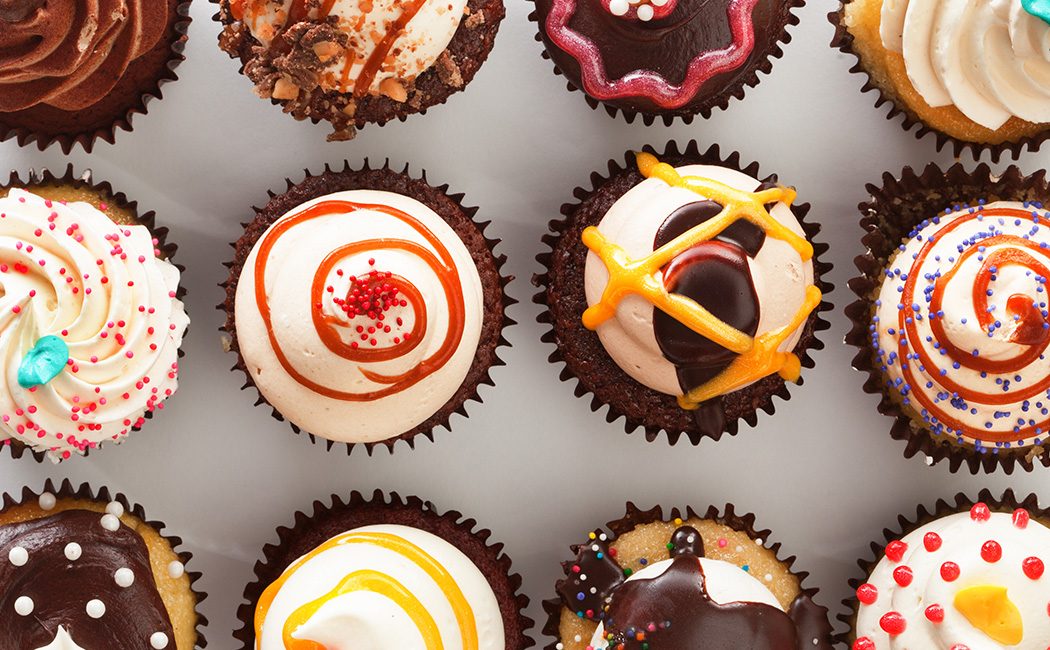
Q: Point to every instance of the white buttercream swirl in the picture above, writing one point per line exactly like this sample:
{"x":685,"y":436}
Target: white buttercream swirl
{"x":961,"y":539}
{"x":780,"y":276}
{"x":291,"y":267}
{"x":988,"y":58}
{"x":67,"y":270}
{"x":368,"y":620}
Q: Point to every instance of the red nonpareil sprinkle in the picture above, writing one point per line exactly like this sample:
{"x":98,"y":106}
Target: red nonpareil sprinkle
{"x":893,"y":623}
{"x":895,"y":550}
{"x":867,"y":594}
{"x":991,"y":551}
{"x":950,"y":571}
{"x":1021,"y":518}
{"x":863,"y":643}
{"x":1033,"y":568}
{"x":980,"y":512}
{"x":935,"y":614}
{"x":903,"y":576}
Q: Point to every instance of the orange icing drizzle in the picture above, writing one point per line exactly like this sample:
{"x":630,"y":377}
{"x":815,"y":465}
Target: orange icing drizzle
{"x":757,"y":357}
{"x":378,"y":583}
{"x":442,"y":265}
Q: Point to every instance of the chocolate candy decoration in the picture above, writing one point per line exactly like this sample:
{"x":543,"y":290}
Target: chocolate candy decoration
{"x":61,"y":579}
{"x":811,"y":623}
{"x":590,"y":579}
{"x":687,"y":540}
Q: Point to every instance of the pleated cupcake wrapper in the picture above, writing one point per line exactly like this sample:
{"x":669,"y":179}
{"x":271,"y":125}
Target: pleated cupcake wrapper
{"x":689,"y":155}
{"x":87,"y":139}
{"x":67,"y":491}
{"x":843,"y":41}
{"x":308,"y":532}
{"x":478,"y":368}
{"x":85,"y":180}
{"x":461,"y":35}
{"x":685,"y":114}
{"x":636,"y":517}
{"x":923,"y":516}
{"x":885,"y":227}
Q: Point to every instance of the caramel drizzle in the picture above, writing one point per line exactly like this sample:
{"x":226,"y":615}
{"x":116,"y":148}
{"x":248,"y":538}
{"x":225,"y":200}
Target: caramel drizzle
{"x":442,"y":264}
{"x":757,"y":357}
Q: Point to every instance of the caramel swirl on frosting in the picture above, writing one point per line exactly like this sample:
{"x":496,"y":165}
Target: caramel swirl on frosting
{"x":70,"y":53}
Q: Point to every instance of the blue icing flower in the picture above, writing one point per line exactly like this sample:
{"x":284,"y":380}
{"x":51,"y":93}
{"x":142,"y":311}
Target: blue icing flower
{"x":43,"y":363}
{"x":1038,"y":8}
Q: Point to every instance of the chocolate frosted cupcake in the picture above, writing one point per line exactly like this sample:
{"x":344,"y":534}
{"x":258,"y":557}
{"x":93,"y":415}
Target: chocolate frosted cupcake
{"x":395,"y":573}
{"x":80,"y":570}
{"x":964,"y":575}
{"x":687,"y":581}
{"x":91,"y":317}
{"x":355,"y":63}
{"x":683,"y":291}
{"x":366,"y":306}
{"x":952,"y":319}
{"x":663,"y":58}
{"x":72,"y":72}
{"x":975,"y":74}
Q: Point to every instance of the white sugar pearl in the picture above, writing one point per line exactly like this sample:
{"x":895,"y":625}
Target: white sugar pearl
{"x":124,"y":577}
{"x":110,"y":523}
{"x":96,"y":608}
{"x":618,"y":7}
{"x":47,"y":501}
{"x":115,"y":509}
{"x":176,"y":569}
{"x":645,"y":13}
{"x":73,"y":551}
{"x":769,"y":577}
{"x":658,"y":3}
{"x":159,"y":640}
{"x":24,"y":606}
{"x":18,"y":556}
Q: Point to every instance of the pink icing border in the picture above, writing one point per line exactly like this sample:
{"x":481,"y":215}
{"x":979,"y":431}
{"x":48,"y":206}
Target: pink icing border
{"x":647,"y":83}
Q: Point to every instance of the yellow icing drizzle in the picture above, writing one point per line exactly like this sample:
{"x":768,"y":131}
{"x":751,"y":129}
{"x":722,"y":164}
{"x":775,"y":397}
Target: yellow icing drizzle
{"x":757,"y":357}
{"x":457,"y":600}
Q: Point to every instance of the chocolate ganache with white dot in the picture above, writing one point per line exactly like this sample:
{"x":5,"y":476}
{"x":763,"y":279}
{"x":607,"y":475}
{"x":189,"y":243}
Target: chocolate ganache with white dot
{"x":67,"y":581}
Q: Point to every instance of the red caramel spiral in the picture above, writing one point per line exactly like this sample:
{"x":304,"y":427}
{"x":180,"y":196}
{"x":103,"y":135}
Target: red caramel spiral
{"x":71,"y":53}
{"x":442,"y":264}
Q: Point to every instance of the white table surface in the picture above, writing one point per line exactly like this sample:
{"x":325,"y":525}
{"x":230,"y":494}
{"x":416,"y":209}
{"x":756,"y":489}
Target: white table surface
{"x":532,"y":463}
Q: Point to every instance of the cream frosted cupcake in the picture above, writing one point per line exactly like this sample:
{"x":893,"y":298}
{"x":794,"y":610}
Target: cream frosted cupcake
{"x":90,"y":319}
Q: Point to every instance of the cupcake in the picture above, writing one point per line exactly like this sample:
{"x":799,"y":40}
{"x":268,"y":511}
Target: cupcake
{"x":352,"y":64}
{"x":687,"y":581}
{"x":84,"y":570}
{"x":72,"y":72}
{"x":365,"y":306}
{"x":975,"y":74}
{"x":663,"y":58}
{"x":391,"y":571}
{"x":952,"y":320}
{"x":965,"y":575}
{"x":683,"y":292}
{"x":91,"y":317}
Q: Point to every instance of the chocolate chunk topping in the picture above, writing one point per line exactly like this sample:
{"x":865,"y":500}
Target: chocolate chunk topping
{"x":687,"y":540}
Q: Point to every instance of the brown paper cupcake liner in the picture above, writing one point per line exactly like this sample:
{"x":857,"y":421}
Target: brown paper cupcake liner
{"x":763,"y":391}
{"x":719,"y":102}
{"x":843,"y":41}
{"x":121,"y":122}
{"x":310,"y":530}
{"x":66,"y":490}
{"x":480,"y":372}
{"x":923,"y":516}
{"x":635,"y":517}
{"x":85,"y":180}
{"x":885,"y":228}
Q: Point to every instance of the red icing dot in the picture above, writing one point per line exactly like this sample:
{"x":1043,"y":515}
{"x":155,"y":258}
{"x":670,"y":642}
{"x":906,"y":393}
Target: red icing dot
{"x":895,"y":550}
{"x":1033,"y":567}
{"x":991,"y":551}
{"x":980,"y":512}
{"x":932,"y":542}
{"x":903,"y":576}
{"x":867,"y":594}
{"x":1021,"y":518}
{"x":935,"y":613}
{"x":950,"y":571}
{"x":863,"y":643}
{"x":893,"y":623}
{"x":959,"y":646}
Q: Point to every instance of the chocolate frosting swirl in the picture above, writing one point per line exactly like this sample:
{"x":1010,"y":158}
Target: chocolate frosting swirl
{"x":35,"y":564}
{"x":71,"y":53}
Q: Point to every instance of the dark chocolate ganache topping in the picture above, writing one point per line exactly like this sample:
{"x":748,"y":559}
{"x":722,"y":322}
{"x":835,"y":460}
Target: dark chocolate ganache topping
{"x":673,"y":611}
{"x":68,"y":570}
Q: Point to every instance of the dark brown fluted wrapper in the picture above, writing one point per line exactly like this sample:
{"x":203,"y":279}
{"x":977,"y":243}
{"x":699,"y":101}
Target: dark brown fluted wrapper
{"x":843,"y":41}
{"x":311,"y":529}
{"x":66,"y":490}
{"x":759,"y":396}
{"x":176,"y":37}
{"x":923,"y":516}
{"x":718,"y":102}
{"x":635,"y":517}
{"x":894,"y":208}
{"x":349,"y":178}
{"x":86,"y":181}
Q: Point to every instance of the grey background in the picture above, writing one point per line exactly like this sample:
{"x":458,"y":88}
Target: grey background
{"x":533,"y":463}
